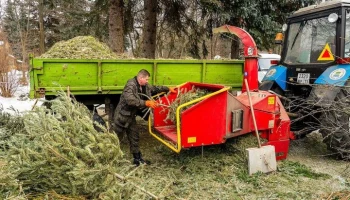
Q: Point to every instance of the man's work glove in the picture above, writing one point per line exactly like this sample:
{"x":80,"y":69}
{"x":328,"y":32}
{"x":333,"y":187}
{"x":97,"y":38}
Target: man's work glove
{"x":172,"y":89}
{"x":151,"y":104}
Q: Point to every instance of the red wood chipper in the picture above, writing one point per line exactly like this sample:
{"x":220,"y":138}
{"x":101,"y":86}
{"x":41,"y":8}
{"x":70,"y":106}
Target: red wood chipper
{"x":219,"y":115}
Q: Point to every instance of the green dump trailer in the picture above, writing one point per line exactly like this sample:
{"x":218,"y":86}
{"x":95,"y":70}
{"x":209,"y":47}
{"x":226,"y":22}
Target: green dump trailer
{"x":102,"y":81}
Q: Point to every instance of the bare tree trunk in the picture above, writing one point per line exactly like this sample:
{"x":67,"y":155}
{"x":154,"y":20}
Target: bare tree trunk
{"x":116,"y":25}
{"x":171,"y":45}
{"x":183,"y":46}
{"x":235,"y":48}
{"x":211,"y":47}
{"x":131,"y":44}
{"x":41,"y":27}
{"x":150,"y":29}
{"x":160,"y":38}
{"x":24,"y":40}
{"x":25,"y":62}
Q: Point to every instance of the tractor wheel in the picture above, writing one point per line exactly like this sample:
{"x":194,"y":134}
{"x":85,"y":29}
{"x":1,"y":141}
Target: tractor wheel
{"x":335,"y":133}
{"x":335,"y":127}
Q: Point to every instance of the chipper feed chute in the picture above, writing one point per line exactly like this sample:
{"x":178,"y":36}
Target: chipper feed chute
{"x":217,"y":116}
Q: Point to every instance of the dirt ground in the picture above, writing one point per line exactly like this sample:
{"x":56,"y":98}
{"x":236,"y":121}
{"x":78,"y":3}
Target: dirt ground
{"x":311,"y":152}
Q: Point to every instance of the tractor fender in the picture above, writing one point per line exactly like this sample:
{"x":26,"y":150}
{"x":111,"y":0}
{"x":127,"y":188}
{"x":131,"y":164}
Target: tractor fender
{"x":276,"y":74}
{"x":329,"y":84}
{"x":336,"y":75}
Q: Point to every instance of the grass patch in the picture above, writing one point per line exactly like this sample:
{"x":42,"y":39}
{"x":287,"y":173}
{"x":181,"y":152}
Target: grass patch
{"x":296,"y":169}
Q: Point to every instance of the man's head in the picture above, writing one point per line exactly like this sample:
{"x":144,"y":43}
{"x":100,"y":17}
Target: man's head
{"x":143,"y":77}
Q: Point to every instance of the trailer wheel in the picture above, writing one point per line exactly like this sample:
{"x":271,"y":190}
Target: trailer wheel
{"x":335,"y":127}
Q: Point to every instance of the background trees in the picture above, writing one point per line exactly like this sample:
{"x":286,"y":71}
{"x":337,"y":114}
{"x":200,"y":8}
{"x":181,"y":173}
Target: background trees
{"x":149,"y":28}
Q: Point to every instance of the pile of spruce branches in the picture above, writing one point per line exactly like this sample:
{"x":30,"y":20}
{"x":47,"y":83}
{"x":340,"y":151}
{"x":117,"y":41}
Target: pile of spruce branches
{"x":59,"y":150}
{"x":183,"y":96}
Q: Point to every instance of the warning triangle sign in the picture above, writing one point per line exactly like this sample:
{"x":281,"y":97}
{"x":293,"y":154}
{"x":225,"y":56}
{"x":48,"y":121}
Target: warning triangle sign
{"x":326,"y":54}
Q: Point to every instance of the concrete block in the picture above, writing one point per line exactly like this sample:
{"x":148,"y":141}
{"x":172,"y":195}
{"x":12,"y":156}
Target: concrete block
{"x":261,"y":159}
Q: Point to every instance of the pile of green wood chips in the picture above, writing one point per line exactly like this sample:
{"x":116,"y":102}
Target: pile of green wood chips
{"x":81,"y":47}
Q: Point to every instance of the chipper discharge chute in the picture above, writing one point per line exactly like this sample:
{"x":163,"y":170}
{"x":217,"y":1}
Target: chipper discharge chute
{"x":217,"y":116}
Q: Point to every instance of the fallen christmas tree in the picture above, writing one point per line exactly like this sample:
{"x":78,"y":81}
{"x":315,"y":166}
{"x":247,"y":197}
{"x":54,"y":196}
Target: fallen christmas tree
{"x":59,"y":150}
{"x":9,"y":185}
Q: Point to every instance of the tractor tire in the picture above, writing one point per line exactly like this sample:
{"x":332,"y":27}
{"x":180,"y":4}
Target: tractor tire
{"x":335,"y":127}
{"x":336,"y":135}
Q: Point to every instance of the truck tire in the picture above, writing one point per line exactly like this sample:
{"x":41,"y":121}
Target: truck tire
{"x":335,"y":127}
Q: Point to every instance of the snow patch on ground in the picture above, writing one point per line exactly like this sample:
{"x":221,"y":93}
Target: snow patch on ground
{"x":20,"y":101}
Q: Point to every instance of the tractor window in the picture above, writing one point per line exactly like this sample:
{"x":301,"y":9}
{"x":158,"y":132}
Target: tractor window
{"x":347,"y":35}
{"x":307,"y":39}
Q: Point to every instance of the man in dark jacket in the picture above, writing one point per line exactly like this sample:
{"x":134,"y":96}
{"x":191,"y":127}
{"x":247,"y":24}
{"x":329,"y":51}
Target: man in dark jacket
{"x":132,"y":102}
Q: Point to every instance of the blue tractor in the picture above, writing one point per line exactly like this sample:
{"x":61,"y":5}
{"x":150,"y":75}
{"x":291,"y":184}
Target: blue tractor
{"x":313,"y":75}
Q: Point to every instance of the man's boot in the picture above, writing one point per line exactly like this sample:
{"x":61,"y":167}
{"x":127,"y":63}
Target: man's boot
{"x":139,"y":160}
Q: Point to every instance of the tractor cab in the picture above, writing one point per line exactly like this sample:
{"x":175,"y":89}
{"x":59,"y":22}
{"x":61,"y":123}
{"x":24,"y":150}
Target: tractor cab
{"x":316,"y":38}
